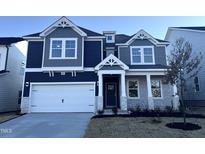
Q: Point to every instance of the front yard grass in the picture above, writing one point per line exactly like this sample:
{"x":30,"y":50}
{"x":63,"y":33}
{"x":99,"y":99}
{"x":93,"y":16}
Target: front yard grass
{"x":141,"y":127}
{"x":7,"y":116}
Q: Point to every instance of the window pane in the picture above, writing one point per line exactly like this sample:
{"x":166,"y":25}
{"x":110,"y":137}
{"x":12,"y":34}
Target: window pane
{"x":197,"y":87}
{"x":133,"y":93}
{"x":133,"y":84}
{"x":57,"y":44}
{"x":156,"y":92}
{"x":148,"y":59}
{"x":196,"y":80}
{"x":156,"y":88}
{"x":147,"y":51}
{"x":155,"y":83}
{"x":136,"y":59}
{"x":70,"y":53}
{"x":136,"y":51}
{"x":56,"y":52}
{"x":109,"y":38}
{"x":70,"y":44}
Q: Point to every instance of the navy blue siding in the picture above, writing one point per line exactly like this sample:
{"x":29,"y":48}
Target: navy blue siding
{"x":35,"y":54}
{"x":44,"y":77}
{"x":92,"y":53}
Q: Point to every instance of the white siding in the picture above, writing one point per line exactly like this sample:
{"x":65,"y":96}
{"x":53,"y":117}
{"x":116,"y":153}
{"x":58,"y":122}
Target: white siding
{"x":197,"y":39}
{"x":11,"y":82}
{"x":3,"y":51}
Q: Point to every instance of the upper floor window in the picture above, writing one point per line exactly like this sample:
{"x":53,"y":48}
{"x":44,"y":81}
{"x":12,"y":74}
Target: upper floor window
{"x":142,"y":54}
{"x":63,"y":48}
{"x":110,"y":38}
{"x":156,"y":88}
{"x":196,"y":84}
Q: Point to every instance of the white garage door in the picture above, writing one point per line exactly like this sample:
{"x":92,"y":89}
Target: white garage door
{"x":63,"y":98}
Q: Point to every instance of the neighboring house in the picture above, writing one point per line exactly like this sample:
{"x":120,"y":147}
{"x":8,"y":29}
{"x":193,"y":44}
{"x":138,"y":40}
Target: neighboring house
{"x":73,"y":69}
{"x":195,"y":87}
{"x":11,"y":74}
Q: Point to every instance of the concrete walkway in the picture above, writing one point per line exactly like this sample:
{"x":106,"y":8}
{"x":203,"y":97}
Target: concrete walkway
{"x":46,"y":125}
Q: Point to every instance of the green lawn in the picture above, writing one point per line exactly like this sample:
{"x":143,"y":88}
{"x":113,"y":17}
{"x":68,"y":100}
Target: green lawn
{"x":141,"y":127}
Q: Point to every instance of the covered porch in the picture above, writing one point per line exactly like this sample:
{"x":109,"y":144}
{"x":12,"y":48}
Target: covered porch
{"x":119,"y":87}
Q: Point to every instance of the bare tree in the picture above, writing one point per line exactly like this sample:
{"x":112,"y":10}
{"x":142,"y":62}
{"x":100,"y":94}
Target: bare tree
{"x":183,"y":65}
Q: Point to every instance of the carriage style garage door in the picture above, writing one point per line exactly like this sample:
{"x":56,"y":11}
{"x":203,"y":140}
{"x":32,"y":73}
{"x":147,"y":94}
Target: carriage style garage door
{"x":63,"y":98}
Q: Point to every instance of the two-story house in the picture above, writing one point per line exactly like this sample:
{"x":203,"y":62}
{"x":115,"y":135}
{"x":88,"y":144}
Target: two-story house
{"x":11,"y":74}
{"x":73,"y":69}
{"x":194,"y":90}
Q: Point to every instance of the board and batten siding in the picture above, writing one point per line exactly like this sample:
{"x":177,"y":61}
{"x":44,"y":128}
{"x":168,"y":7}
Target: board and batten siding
{"x":44,"y":77}
{"x":198,"y":45}
{"x":63,"y":33}
{"x":11,"y":82}
{"x":92,"y":53}
{"x":142,"y":101}
{"x":34,"y":54}
{"x":159,"y":52}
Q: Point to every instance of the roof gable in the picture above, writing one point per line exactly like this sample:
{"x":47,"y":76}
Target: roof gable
{"x":62,"y":22}
{"x":111,"y":60}
{"x":141,"y":34}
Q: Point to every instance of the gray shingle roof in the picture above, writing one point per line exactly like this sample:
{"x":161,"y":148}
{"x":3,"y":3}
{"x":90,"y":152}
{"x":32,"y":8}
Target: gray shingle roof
{"x":87,"y":31}
{"x":10,"y":40}
{"x":201,"y":28}
{"x":157,"y":66}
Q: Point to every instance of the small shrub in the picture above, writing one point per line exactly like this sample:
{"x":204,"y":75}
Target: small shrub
{"x":146,"y":110}
{"x":138,"y":109}
{"x":169,"y":109}
{"x":156,"y":120}
{"x":100,"y":112}
{"x":115,"y":110}
{"x":157,"y":110}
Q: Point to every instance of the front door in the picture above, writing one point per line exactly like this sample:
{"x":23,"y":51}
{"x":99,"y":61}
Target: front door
{"x":110,"y":95}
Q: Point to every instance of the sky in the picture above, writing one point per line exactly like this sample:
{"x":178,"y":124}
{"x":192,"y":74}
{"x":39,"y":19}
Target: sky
{"x":155,"y":25}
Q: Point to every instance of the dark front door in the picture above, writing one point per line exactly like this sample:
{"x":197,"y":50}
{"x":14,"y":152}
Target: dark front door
{"x":110,"y":95}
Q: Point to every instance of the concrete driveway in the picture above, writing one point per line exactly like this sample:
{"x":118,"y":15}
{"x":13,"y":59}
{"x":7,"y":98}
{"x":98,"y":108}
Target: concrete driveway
{"x":44,"y":125}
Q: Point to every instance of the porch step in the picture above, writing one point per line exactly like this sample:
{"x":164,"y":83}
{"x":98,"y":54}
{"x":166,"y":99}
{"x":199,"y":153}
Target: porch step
{"x":110,"y":112}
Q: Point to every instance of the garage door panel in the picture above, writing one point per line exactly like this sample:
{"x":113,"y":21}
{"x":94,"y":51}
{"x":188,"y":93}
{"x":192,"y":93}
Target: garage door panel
{"x":63,"y":98}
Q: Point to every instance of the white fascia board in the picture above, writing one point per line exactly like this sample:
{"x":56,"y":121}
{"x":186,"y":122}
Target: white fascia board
{"x":147,"y":70}
{"x":63,"y":22}
{"x":181,"y":29}
{"x":95,"y":37}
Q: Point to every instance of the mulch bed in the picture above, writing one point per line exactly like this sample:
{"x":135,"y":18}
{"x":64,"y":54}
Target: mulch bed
{"x":180,"y":125}
{"x":152,"y":114}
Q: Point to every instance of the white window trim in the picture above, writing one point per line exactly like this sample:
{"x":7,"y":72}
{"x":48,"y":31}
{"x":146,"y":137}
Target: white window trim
{"x":113,"y":38}
{"x":63,"y":48}
{"x":195,"y":85}
{"x":137,"y":89}
{"x":161,"y":90}
{"x":142,"y":55}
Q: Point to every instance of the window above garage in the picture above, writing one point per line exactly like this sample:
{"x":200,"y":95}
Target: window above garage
{"x":63,"y":48}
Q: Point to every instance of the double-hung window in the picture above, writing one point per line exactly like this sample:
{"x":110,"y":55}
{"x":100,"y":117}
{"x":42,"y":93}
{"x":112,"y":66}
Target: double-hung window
{"x":65,"y":48}
{"x":156,"y":88}
{"x":142,"y":55}
{"x":133,"y":89}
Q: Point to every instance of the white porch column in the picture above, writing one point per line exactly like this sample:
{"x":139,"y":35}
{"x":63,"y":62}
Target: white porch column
{"x":149,"y":89}
{"x":123,"y":97}
{"x":99,"y":103}
{"x":175,"y":98}
{"x":100,"y":85}
{"x":123,"y":90}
